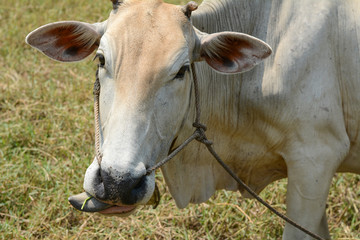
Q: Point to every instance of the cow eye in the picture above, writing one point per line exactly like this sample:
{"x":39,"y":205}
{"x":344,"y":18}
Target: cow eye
{"x":101,"y":59}
{"x":182,"y":72}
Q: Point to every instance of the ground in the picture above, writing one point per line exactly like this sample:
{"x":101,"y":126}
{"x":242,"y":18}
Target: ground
{"x":46,"y":144}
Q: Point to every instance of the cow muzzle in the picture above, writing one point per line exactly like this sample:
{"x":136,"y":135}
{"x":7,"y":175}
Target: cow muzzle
{"x":122,"y":187}
{"x":111,"y":191}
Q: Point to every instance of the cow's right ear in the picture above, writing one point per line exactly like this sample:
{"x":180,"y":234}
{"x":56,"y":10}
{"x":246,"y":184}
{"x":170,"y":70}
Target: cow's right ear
{"x":230,"y":52}
{"x":67,"y":41}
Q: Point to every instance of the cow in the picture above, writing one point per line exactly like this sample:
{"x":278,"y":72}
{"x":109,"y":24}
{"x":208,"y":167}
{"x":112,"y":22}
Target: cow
{"x":295,"y":115}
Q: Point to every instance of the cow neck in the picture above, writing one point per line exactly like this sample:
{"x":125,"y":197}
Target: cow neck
{"x":199,"y":135}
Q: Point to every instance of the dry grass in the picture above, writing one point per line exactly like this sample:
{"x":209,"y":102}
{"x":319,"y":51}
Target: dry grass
{"x":46,"y":144}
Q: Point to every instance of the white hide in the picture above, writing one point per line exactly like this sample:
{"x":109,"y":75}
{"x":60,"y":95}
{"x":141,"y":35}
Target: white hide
{"x":296,"y":116}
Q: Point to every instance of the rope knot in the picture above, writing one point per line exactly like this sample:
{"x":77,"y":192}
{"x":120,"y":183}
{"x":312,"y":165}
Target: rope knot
{"x":198,"y":125}
{"x":200,"y":133}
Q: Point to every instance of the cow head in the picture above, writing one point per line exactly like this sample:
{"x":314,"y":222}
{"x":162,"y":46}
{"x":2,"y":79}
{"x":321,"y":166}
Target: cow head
{"x":144,"y":51}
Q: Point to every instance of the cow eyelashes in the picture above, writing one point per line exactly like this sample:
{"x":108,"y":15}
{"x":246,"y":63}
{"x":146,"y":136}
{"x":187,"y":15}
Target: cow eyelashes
{"x":182,"y":72}
{"x":101,"y":59}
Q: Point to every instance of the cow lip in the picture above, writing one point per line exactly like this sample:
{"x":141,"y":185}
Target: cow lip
{"x":118,"y":210}
{"x":86,"y":203}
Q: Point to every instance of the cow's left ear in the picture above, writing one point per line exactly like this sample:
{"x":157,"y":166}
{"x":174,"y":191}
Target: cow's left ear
{"x":231,"y":52}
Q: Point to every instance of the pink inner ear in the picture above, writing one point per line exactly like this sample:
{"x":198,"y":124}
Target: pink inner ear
{"x":231,"y":53}
{"x":63,"y":43}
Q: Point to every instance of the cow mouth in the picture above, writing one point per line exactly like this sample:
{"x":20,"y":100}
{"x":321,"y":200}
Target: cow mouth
{"x":86,"y":203}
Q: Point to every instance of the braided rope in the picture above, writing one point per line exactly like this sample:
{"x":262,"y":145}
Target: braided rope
{"x":96,"y":93}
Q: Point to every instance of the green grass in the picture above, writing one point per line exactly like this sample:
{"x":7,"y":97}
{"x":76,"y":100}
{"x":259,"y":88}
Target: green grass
{"x":46,"y":144}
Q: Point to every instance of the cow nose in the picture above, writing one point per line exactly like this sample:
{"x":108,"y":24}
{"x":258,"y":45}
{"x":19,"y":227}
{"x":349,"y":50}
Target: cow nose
{"x":121,"y":188}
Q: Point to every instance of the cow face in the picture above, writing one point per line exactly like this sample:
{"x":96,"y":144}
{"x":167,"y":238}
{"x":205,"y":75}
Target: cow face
{"x":144,"y":50}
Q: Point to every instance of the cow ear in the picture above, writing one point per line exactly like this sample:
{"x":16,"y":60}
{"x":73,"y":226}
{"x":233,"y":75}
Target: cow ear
{"x":231,"y":52}
{"x":66,"y":41}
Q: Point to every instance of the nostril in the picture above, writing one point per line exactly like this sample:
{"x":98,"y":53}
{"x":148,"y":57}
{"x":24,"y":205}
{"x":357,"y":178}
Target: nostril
{"x":140,"y":183}
{"x":99,"y":186}
{"x":100,"y":191}
{"x":99,"y":175}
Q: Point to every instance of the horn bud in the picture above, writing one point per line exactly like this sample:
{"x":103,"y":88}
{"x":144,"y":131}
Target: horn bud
{"x":189,"y":8}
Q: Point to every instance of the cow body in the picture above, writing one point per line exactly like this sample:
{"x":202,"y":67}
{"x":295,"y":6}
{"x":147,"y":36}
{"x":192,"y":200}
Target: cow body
{"x":294,"y":116}
{"x":309,"y":87}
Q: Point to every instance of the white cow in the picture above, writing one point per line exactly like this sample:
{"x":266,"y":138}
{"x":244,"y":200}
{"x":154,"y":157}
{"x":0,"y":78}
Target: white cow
{"x":296,"y":116}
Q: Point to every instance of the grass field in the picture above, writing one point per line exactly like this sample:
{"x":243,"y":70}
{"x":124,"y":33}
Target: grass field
{"x":46,"y":144}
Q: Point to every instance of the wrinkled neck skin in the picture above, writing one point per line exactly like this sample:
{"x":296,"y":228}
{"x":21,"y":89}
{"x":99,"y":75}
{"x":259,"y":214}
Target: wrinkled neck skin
{"x":208,"y":17}
{"x":193,"y":176}
{"x":236,"y":108}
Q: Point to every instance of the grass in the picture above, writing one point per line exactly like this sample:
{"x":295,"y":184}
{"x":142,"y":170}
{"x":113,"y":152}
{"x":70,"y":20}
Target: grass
{"x":46,"y":144}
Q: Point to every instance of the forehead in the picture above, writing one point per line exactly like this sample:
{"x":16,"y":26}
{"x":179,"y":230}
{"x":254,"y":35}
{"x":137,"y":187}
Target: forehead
{"x":148,"y":19}
{"x":148,"y":40}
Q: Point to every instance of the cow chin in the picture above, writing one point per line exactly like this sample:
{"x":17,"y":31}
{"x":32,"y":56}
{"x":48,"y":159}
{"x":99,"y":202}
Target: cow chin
{"x":119,"y":211}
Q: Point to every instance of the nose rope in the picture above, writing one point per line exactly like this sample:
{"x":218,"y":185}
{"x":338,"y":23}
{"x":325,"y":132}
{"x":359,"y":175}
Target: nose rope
{"x":199,"y":135}
{"x":96,"y":93}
